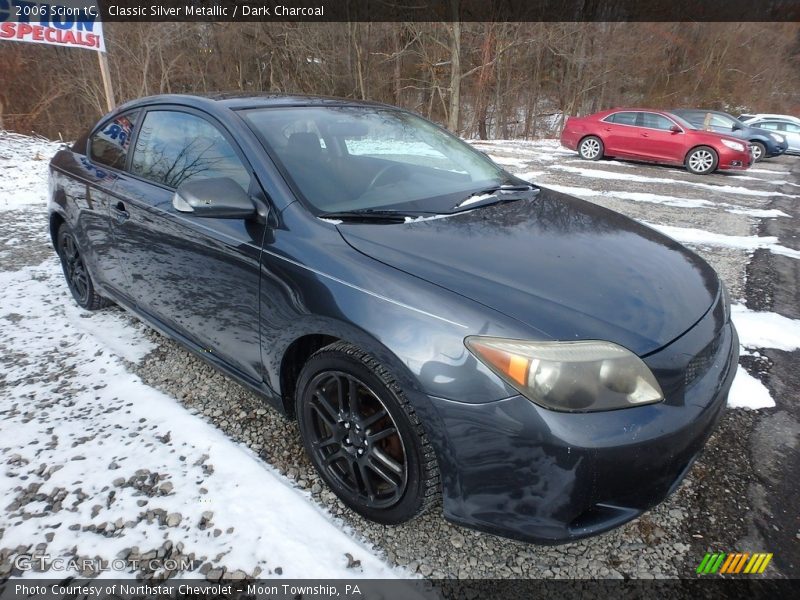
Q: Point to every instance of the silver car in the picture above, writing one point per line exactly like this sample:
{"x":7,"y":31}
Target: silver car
{"x":788,"y":127}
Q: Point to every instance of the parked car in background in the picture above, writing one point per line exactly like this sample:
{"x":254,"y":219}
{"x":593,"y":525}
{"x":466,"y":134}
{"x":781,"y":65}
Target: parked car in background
{"x":434,"y":323}
{"x":765,"y":144}
{"x":748,"y":117}
{"x":783,"y":127}
{"x":654,"y":136}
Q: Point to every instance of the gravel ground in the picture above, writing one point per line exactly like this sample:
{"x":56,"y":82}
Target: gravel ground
{"x":712,"y":509}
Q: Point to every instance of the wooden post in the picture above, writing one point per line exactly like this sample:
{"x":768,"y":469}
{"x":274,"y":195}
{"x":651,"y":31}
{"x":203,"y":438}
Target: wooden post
{"x":106,"y":75}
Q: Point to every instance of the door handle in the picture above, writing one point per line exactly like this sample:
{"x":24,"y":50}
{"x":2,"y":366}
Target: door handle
{"x":607,"y":128}
{"x":645,"y":135}
{"x":121,"y":214}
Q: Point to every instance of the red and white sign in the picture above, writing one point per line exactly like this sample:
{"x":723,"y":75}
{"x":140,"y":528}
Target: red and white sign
{"x":74,"y":24}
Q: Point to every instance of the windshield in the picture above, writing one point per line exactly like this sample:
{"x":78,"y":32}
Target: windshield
{"x":359,"y":158}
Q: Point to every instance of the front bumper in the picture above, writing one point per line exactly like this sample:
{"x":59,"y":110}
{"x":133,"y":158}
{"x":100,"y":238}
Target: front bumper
{"x":517,"y":470}
{"x":732,"y":160}
{"x":775,"y":149}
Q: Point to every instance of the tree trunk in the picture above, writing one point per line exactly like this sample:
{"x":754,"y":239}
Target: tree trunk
{"x":398,"y":46}
{"x":484,"y":79}
{"x":455,"y":68}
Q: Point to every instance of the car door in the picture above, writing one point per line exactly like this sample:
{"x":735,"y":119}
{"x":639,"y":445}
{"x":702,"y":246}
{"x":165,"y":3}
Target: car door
{"x":106,"y":155}
{"x":618,"y":132}
{"x":197,"y":276}
{"x":656,"y":139}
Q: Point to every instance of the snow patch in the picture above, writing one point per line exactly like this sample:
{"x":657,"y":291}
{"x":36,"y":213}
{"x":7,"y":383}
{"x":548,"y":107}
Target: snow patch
{"x":69,"y":402}
{"x":700,"y":237}
{"x":476,"y":198}
{"x":748,"y":392}
{"x":723,"y":189}
{"x":24,"y":164}
{"x":765,"y":329}
{"x":508,"y":161}
{"x":634,"y":196}
{"x":758,"y":213}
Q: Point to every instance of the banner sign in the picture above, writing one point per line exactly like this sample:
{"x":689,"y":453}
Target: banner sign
{"x":70,"y":23}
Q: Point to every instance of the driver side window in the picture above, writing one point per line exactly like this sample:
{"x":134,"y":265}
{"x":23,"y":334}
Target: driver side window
{"x":175,"y":147}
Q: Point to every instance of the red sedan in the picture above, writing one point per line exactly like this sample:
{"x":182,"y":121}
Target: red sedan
{"x":654,"y":136}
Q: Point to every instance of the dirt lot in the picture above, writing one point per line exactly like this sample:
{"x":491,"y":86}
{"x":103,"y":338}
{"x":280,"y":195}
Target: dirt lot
{"x":740,"y":496}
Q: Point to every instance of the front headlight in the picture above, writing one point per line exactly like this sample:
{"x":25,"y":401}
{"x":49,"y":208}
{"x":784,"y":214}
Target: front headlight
{"x":570,"y":376}
{"x":733,"y":145}
{"x":777,"y":138}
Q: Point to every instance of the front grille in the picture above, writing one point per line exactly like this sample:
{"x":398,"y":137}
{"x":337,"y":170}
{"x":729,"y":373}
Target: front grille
{"x":701,"y":363}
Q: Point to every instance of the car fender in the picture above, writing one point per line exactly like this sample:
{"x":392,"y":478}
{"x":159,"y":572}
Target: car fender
{"x":414,"y":327}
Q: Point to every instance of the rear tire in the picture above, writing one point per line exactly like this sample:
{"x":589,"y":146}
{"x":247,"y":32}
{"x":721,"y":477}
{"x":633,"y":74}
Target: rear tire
{"x":759,"y":151}
{"x":591,"y":148}
{"x":77,"y":275}
{"x":701,"y":160}
{"x":363,"y":437}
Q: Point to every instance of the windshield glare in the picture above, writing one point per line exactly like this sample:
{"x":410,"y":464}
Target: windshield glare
{"x":355,"y":158}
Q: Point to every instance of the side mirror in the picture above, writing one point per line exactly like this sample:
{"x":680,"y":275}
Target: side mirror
{"x":676,"y":129}
{"x":218,"y":197}
{"x":736,"y":127}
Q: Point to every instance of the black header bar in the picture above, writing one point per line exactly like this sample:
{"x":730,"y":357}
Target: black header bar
{"x":428,"y":10}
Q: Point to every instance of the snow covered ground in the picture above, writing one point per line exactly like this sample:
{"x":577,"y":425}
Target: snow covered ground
{"x":96,"y":463}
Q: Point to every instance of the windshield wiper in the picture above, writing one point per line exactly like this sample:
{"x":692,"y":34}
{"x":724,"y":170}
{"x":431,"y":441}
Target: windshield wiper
{"x":496,"y":195}
{"x":371,"y":215}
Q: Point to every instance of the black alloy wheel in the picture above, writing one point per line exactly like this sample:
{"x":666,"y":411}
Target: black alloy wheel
{"x":75,"y":272}
{"x":363,"y":437}
{"x":357,"y":439}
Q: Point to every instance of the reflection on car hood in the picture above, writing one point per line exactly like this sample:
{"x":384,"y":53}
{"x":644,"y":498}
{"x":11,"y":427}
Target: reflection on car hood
{"x":569,"y":268}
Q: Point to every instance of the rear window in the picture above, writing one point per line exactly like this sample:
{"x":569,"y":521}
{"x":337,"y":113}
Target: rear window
{"x":109,"y":144}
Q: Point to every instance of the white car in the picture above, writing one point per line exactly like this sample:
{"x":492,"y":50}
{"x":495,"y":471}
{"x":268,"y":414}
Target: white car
{"x":763,"y":116}
{"x":790,"y":129}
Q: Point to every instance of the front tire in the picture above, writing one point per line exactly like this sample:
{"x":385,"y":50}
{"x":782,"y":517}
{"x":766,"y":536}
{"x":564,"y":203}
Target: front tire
{"x":363,"y":437}
{"x":702,"y":160}
{"x":77,"y":275}
{"x":591,"y":148}
{"x":759,"y":151}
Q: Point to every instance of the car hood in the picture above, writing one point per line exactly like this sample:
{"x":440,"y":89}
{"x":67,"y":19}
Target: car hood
{"x":566,"y":267}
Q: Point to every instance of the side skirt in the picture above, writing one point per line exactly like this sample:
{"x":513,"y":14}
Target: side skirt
{"x":259,"y":387}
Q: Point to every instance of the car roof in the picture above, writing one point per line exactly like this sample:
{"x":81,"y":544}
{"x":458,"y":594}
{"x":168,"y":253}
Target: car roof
{"x":604,"y":113}
{"x":245,"y":100}
{"x":678,"y":111}
{"x":634,"y":109}
{"x":772,"y":117}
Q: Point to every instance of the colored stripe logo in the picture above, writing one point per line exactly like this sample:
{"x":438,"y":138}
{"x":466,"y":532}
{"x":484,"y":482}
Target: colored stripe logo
{"x":733,"y":563}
